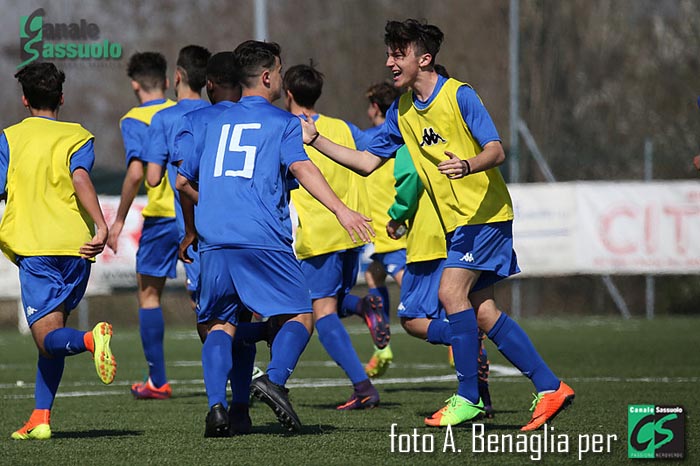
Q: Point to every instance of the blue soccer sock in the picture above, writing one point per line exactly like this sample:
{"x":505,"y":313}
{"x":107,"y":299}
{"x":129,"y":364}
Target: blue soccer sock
{"x":465,"y":334}
{"x":216,"y":365}
{"x":65,"y":342}
{"x":515,"y":345}
{"x":286,"y":350}
{"x":48,"y":377}
{"x":336,"y":341}
{"x":242,"y":371}
{"x":383,"y":291}
{"x":349,"y":306}
{"x":439,"y":332}
{"x":152,"y":328}
{"x":250,"y":332}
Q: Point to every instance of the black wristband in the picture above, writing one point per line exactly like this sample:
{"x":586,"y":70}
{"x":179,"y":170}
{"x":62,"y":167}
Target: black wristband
{"x":469,"y":167}
{"x":313,"y":139}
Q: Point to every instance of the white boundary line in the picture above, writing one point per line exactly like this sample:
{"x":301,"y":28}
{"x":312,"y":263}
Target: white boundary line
{"x":198,"y":384}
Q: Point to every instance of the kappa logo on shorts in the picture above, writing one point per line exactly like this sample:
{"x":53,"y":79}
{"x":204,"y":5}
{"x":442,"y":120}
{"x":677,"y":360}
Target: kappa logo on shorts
{"x":401,"y":307}
{"x":430,"y":137}
{"x":31,"y":310}
{"x":467,"y":257}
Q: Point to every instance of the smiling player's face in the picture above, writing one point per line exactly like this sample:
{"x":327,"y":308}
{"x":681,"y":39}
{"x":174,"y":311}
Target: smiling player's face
{"x":404,"y":65}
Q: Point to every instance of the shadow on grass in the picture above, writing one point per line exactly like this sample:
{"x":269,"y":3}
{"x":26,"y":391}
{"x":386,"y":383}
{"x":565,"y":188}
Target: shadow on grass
{"x":274,"y":428}
{"x":333,"y":406}
{"x":201,"y":394}
{"x":97,"y":433}
{"x":416,"y":388}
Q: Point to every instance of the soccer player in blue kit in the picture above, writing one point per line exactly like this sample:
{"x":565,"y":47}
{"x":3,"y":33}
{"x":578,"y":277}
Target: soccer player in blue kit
{"x":244,"y":231}
{"x":223,"y":89}
{"x":189,"y":79}
{"x":456,"y":150}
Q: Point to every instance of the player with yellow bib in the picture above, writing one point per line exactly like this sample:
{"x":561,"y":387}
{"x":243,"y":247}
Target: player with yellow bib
{"x":156,"y":258}
{"x":48,"y":231}
{"x":456,"y":150}
{"x":329,"y":258}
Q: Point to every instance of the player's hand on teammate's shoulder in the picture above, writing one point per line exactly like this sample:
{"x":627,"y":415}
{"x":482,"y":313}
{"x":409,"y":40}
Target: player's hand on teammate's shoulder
{"x":96,"y":245}
{"x":357,"y":225}
{"x":308,"y":128}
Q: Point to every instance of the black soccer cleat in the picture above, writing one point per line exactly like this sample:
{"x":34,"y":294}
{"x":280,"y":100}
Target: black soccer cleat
{"x":239,"y":419}
{"x":217,"y":422}
{"x":277,"y":398}
{"x":371,"y":310}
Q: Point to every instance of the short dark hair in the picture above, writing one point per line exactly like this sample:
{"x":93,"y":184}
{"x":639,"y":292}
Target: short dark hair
{"x":254,"y":56}
{"x":192,"y":59}
{"x":148,"y":69}
{"x":222,"y":70}
{"x":425,"y":37}
{"x":305,"y":83}
{"x":42,"y":85}
{"x":383,"y":94}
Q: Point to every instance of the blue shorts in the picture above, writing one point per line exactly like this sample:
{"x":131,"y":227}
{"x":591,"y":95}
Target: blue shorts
{"x":419,"y":290}
{"x":157,"y":254}
{"x":487,"y":248}
{"x":332,"y":274}
{"x":269,"y":283}
{"x":393,"y":262}
{"x":46,"y":282}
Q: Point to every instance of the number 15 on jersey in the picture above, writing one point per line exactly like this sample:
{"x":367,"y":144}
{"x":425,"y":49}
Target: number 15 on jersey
{"x":234,"y":145}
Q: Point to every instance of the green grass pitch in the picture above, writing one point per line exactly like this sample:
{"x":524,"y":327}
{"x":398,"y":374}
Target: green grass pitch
{"x":609,"y":362}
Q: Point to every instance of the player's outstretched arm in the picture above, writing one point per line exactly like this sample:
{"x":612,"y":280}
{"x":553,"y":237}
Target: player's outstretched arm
{"x":361,"y":162}
{"x":130,"y":187}
{"x":491,"y":156}
{"x":313,"y":181}
{"x":87,"y":196}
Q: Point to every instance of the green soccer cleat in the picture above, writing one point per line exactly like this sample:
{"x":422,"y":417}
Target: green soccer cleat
{"x":379,"y":362}
{"x":38,"y":432}
{"x":105,"y":364}
{"x":456,"y":411}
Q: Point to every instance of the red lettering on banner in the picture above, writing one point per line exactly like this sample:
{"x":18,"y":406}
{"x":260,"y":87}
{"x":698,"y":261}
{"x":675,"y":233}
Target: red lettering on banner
{"x":607,"y":221}
{"x":679,"y":213}
{"x":650,"y":218}
{"x":650,"y":237}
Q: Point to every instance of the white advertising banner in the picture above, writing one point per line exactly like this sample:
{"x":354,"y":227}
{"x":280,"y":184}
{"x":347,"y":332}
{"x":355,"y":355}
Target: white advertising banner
{"x":544,"y":229}
{"x":607,"y":228}
{"x":638,"y":228}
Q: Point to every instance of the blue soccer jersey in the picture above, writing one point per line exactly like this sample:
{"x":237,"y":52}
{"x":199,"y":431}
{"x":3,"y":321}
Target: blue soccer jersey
{"x":242,"y":175}
{"x":160,"y":148}
{"x":192,"y":130}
